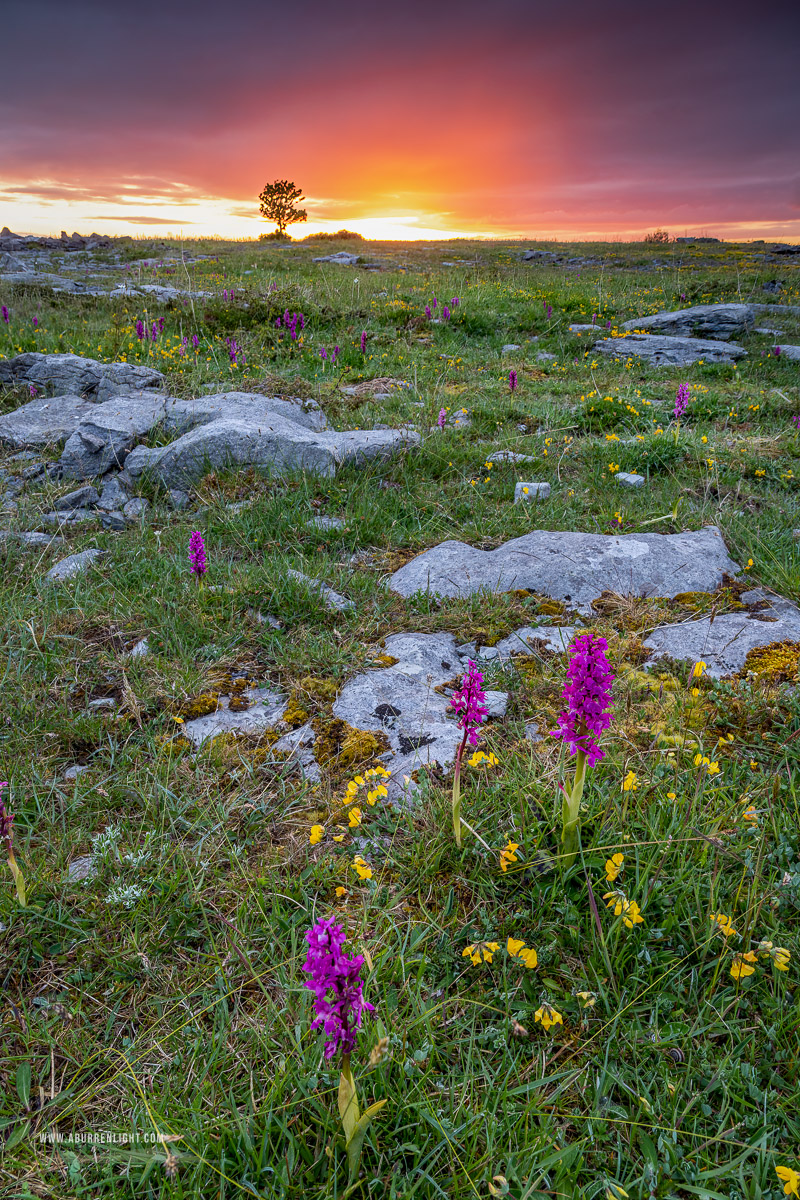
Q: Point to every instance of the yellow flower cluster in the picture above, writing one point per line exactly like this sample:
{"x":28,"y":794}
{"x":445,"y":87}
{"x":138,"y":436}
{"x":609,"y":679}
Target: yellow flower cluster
{"x":548,"y":1016}
{"x":480,"y":952}
{"x":614,"y":866}
{"x":508,"y":855}
{"x":627,"y":909}
{"x":712,"y":768}
{"x":517,"y":949}
{"x":479,"y":759}
{"x":370,"y":781}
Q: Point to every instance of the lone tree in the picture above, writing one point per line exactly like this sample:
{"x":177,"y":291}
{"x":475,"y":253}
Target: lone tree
{"x":278,"y":201}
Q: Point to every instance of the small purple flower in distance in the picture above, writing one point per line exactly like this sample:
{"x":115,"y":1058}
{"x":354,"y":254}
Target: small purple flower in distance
{"x":683,"y":296}
{"x":335,"y":355}
{"x":434,"y":302}
{"x":594,"y":318}
{"x":286,"y":317}
{"x":140,"y":331}
{"x":335,"y":980}
{"x":6,"y":822}
{"x":197,"y":555}
{"x":302,"y":321}
{"x":35,"y":322}
{"x":588,"y":693}
{"x":428,"y":313}
{"x":323,"y":353}
{"x":277,"y":322}
{"x":544,"y":305}
{"x":6,"y":317}
{"x":681,"y":401}
{"x":796,"y":421}
{"x":608,"y":324}
{"x":161,"y":325}
{"x":549,"y":311}
{"x":441,"y":420}
{"x":225,"y":293}
{"x":154,"y":332}
{"x":445,"y":312}
{"x":470,"y":701}
{"x":32,"y":392}
{"x":363,"y":341}
{"x":455,"y":302}
{"x":512,"y":379}
{"x":776,"y":350}
{"x":195,"y":340}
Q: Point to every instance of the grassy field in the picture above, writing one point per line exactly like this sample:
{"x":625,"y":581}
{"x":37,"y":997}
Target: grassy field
{"x":162,"y":998}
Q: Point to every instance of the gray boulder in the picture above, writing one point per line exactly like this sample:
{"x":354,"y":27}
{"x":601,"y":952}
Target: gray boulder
{"x":275,"y":444}
{"x":35,"y":541}
{"x":43,"y":422}
{"x":135,"y":509}
{"x":628,"y":479}
{"x":524,"y":492}
{"x":719,"y":322}
{"x":265,"y":709}
{"x":343,"y":258}
{"x":113,"y":496}
{"x":790,"y":352}
{"x":72,"y":565}
{"x":84,"y":497}
{"x":724,"y":642}
{"x":573,"y":567}
{"x":69,"y":374}
{"x":106,"y":434}
{"x":669,"y":351}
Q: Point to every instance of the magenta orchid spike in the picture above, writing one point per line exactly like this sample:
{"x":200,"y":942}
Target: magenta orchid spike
{"x":197,"y":555}
{"x":469,"y":701}
{"x":335,"y":980}
{"x":512,"y":380}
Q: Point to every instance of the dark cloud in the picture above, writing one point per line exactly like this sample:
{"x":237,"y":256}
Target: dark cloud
{"x":516,"y":113}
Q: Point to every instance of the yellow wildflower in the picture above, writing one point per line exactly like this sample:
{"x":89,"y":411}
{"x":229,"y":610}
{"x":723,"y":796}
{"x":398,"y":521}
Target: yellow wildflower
{"x":341,"y":892}
{"x":698,"y":668}
{"x":548,"y":1016}
{"x":724,"y":924}
{"x":514,"y":945}
{"x":780,"y":956}
{"x":480,"y":952}
{"x":508,"y":855}
{"x":478,"y":758}
{"x":589,"y":999}
{"x":630,"y":783}
{"x":317,"y":834}
{"x":790,"y":1180}
{"x":614,"y":866}
{"x":530,"y":957}
{"x":632,"y":916}
{"x":672,"y":795}
{"x":354,"y":818}
{"x":701,"y":760}
{"x":743,"y":965}
{"x":362,"y":868}
{"x":616,"y":1191}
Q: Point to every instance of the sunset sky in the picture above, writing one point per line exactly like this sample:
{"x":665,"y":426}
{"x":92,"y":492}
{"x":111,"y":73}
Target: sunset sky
{"x":496,"y":117}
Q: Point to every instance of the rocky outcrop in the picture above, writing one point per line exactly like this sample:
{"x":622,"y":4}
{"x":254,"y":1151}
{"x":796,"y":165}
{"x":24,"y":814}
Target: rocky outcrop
{"x":669,"y":351}
{"x":718,"y":322}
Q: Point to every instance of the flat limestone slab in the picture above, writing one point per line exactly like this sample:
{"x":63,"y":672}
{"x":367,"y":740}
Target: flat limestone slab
{"x":669,"y":351}
{"x":724,"y":643}
{"x":718,"y":321}
{"x":400,"y":702}
{"x":63,"y":374}
{"x":44,"y":422}
{"x":573,"y":567}
{"x":266,"y":708}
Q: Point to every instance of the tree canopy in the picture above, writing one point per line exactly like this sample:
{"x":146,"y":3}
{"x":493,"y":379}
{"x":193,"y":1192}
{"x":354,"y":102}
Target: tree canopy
{"x":278,"y":201}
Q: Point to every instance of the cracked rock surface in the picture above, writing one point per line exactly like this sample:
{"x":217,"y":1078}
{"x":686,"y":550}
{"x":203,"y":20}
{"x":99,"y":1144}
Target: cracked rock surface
{"x":573,"y":567}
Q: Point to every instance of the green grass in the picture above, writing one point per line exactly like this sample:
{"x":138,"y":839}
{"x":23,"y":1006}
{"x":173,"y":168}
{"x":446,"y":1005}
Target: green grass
{"x":185,"y":1013}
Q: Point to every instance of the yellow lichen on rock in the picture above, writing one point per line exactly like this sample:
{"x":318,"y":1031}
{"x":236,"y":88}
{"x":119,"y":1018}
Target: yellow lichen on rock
{"x":339,"y":745}
{"x":198,"y":706}
{"x":777,"y":662}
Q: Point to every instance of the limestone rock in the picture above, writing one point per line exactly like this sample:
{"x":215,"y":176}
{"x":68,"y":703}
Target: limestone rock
{"x":574,"y":567}
{"x":719,"y":322}
{"x":84,"y":497}
{"x":325,"y":524}
{"x":510,"y":348}
{"x":265,"y":710}
{"x":72,"y":565}
{"x":331,"y":599}
{"x":114,"y":520}
{"x":43,"y":422}
{"x":669,"y":351}
{"x":400,"y":702}
{"x":790,"y":352}
{"x":32,"y":540}
{"x":343,"y":258}
{"x":509,"y":456}
{"x":525,"y":492}
{"x":113,"y":496}
{"x":299,"y":745}
{"x":81,"y":868}
{"x":135,"y":509}
{"x":555,"y":637}
{"x":723,"y":644}
{"x":69,"y":374}
{"x":627,"y":479}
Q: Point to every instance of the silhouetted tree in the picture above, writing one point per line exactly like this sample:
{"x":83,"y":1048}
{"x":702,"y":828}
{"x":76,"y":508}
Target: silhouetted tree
{"x":278,"y":201}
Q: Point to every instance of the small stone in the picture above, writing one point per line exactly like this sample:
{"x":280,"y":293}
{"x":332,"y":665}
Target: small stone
{"x":83,"y":497}
{"x":135,"y":509}
{"x":113,"y":497}
{"x":325,"y":523}
{"x":524,"y":492}
{"x":331,"y":599}
{"x":140,"y":650}
{"x":531,"y":731}
{"x":467,"y":650}
{"x":628,"y":480}
{"x":103,"y":705}
{"x":76,"y":516}
{"x":496,"y":703}
{"x":545,"y":356}
{"x":511,"y":348}
{"x":510,"y":456}
{"x":264,"y":618}
{"x":80,"y":869}
{"x":178,"y":499}
{"x":33,"y":471}
{"x":72,"y":565}
{"x":30,"y":539}
{"x":115,"y":521}
{"x":74,"y":771}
